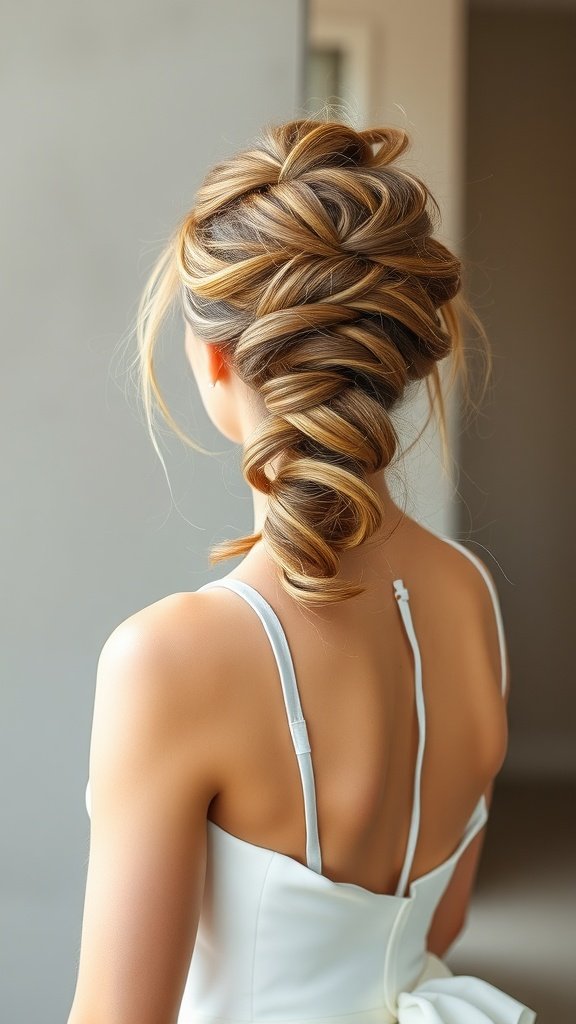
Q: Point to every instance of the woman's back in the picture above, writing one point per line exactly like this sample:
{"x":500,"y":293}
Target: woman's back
{"x":355,"y":669}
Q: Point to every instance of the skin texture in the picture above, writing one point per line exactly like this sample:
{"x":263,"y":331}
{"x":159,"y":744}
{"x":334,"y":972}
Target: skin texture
{"x":189,"y":723}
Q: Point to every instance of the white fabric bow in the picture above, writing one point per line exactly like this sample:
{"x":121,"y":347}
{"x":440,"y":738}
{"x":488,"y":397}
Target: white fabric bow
{"x":460,"y":999}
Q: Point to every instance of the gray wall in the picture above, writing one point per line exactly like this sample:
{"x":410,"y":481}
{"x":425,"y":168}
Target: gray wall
{"x":517,"y":477}
{"x":110,"y":115}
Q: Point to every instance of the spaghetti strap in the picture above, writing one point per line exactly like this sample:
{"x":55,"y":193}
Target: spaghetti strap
{"x":297,"y":724}
{"x":402,"y":596}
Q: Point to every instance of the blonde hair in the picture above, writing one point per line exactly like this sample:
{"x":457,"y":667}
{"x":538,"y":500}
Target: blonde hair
{"x":310,"y":258}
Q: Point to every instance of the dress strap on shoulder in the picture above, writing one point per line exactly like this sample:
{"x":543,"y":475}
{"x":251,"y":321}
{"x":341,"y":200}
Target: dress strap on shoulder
{"x":297,"y":724}
{"x":402,"y":596}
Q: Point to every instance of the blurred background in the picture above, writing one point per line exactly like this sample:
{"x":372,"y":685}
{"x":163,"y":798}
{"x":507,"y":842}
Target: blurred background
{"x":111,"y":114}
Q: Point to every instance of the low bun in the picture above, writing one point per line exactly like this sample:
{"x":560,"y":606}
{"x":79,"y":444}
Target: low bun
{"x":310,"y":259}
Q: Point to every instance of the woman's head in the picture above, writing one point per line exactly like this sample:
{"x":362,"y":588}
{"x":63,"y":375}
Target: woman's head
{"x":314,"y":291}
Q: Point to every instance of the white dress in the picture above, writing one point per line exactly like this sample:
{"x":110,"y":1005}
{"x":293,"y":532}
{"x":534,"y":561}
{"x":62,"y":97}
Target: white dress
{"x":280,"y":943}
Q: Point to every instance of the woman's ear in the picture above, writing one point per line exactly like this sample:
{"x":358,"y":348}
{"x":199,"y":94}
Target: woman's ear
{"x":205,"y":358}
{"x":217,"y":368}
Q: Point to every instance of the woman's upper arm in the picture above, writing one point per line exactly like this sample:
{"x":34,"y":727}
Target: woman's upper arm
{"x":451,"y":912}
{"x":151,"y":783}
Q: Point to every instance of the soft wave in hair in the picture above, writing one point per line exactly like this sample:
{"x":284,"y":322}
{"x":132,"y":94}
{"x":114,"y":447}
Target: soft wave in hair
{"x":310,"y":258}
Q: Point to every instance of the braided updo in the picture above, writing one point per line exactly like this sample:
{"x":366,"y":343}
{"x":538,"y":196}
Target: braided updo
{"x":310,"y":259}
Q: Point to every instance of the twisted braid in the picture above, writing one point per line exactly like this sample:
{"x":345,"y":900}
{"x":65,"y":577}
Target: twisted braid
{"x":311,"y":260}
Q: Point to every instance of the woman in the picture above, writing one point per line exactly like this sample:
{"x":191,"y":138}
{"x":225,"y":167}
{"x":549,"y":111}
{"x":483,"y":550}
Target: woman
{"x":290,"y":768}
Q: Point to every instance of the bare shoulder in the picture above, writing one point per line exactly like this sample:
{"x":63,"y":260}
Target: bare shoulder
{"x":167,"y":660}
{"x":168,"y":637}
{"x":468,"y":586}
{"x":155,"y":710}
{"x":468,"y":570}
{"x":472,"y":567}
